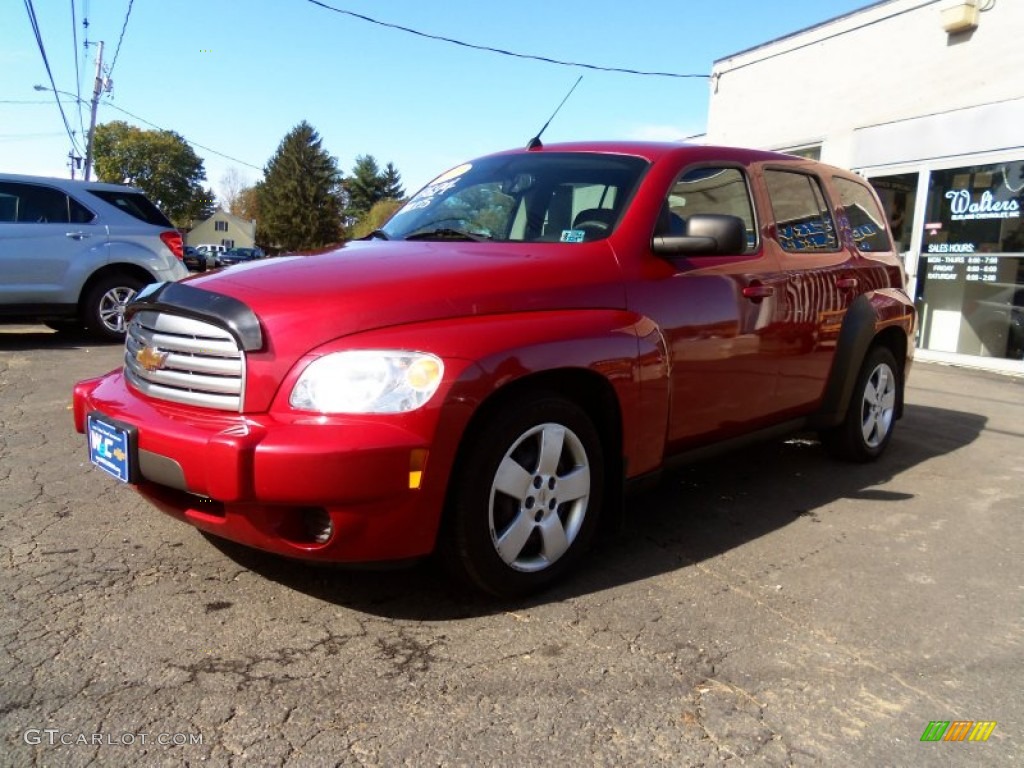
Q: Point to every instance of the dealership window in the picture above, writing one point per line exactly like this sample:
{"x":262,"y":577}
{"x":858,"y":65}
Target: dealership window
{"x":807,"y":151}
{"x":970,"y":290}
{"x":898,"y":193}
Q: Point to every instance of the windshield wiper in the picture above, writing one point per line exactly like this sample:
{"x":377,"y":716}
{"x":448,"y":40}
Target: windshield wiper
{"x":447,"y":233}
{"x":377,"y":234}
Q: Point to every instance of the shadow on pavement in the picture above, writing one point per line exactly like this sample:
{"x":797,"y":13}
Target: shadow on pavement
{"x":696,"y":513}
{"x":39,"y":337}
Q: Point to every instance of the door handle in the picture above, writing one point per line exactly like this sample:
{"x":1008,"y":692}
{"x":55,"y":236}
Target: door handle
{"x":76,"y":235}
{"x":846,"y":282}
{"x":758,"y":291}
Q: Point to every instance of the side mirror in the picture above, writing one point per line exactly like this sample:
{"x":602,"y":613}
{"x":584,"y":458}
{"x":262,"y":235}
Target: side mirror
{"x":707,"y":234}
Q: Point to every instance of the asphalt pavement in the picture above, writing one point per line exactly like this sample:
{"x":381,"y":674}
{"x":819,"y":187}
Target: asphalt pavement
{"x":770,"y":607}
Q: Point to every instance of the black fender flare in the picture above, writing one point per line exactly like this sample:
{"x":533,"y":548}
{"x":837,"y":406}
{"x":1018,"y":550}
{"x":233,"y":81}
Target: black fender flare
{"x":852,"y":345}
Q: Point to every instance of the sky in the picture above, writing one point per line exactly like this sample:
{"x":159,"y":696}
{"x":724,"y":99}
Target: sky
{"x":235,"y":76}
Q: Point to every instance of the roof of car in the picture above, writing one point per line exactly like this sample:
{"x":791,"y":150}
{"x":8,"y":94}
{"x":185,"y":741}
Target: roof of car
{"x":652,"y":150}
{"x":67,"y":183}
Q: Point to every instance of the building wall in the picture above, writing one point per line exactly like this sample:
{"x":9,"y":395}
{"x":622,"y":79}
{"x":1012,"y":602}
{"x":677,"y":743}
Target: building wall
{"x":887,"y":62}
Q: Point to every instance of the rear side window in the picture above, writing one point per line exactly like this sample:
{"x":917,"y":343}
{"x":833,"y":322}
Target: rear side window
{"x":802,"y":218}
{"x":36,"y":204}
{"x":134,"y":204}
{"x":867,"y":223}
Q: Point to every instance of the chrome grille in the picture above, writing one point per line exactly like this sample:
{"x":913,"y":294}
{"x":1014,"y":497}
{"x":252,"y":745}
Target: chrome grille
{"x":203,"y":364}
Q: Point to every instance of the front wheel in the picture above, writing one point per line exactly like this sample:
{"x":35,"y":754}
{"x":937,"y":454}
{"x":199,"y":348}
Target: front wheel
{"x":527,"y":497}
{"x":871,"y":416}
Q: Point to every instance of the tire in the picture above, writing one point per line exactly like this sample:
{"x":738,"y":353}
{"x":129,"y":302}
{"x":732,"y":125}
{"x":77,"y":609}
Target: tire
{"x":527,"y":497}
{"x":103,"y":308}
{"x":871,"y":417}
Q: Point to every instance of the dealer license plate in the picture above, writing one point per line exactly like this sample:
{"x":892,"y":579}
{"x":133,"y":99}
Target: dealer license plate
{"x":112,"y":446}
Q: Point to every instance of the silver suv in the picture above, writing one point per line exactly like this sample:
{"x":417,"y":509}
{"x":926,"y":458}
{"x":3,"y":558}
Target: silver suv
{"x":74,"y":253}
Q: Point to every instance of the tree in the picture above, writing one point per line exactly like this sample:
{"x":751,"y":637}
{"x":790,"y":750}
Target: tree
{"x":393,"y":189}
{"x":376,"y":218}
{"x":300,"y":196}
{"x":247,"y":203}
{"x":231,"y":185}
{"x":368,"y":185}
{"x":202,"y":207}
{"x":364,"y":187}
{"x":160,"y":163}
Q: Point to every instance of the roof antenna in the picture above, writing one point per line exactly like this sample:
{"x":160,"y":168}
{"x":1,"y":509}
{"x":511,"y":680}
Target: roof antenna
{"x":534,"y":143}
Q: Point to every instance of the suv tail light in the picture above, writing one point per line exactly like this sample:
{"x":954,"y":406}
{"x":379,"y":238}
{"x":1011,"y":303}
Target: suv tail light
{"x":172,"y":239}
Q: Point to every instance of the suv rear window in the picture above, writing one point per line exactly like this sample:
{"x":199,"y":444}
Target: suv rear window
{"x":134,"y":204}
{"x":866,"y":220}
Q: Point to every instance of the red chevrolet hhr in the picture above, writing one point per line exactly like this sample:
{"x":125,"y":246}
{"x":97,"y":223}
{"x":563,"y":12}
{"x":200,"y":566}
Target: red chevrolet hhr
{"x":529,"y":334}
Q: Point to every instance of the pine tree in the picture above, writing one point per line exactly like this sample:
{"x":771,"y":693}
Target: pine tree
{"x":369,"y":185}
{"x":364,"y":188}
{"x":392,"y":183}
{"x":300,"y":196}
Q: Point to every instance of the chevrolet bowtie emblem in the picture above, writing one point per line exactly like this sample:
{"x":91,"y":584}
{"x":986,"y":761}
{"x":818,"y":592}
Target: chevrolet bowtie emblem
{"x":151,"y":358}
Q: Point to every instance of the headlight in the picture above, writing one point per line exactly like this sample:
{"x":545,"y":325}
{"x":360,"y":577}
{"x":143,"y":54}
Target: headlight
{"x":367,"y":381}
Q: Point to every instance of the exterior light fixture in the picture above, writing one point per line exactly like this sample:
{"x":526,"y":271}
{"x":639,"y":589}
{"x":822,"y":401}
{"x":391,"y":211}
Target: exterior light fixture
{"x":960,"y":16}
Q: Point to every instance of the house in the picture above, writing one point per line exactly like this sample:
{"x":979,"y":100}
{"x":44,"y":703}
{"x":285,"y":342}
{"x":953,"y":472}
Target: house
{"x":225,"y":229}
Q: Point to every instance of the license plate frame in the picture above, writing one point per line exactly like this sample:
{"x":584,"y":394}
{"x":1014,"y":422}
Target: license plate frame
{"x":113,"y":446}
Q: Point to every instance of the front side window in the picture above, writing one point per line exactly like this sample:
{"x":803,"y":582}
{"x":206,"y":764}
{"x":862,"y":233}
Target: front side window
{"x":802,"y":218}
{"x":708,"y":190}
{"x":540,"y":196}
{"x":36,"y":204}
{"x":866,"y":220}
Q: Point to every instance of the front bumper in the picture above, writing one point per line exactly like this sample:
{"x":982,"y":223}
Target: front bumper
{"x":260,"y":479}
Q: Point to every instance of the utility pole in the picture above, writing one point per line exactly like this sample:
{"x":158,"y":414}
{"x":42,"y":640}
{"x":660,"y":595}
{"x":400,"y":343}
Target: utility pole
{"x":96,"y":90}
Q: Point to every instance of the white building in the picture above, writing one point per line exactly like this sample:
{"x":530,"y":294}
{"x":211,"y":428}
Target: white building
{"x":926,"y":99}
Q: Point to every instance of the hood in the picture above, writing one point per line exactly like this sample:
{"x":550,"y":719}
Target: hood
{"x":303,"y":302}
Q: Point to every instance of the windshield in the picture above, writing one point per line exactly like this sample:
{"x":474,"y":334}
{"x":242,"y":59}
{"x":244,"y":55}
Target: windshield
{"x":539,"y":196}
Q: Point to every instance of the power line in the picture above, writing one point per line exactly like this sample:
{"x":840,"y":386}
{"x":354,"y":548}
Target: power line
{"x":501,"y":51}
{"x":187,"y":141}
{"x":46,"y":62}
{"x":113,"y":63}
{"x":142,"y":120}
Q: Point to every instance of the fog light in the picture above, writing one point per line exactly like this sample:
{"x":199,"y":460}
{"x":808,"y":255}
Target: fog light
{"x":318,"y":525}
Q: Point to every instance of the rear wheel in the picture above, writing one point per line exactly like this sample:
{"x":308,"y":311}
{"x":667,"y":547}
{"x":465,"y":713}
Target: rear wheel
{"x":527,"y":498}
{"x":871,"y":416}
{"x":103,"y":309}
